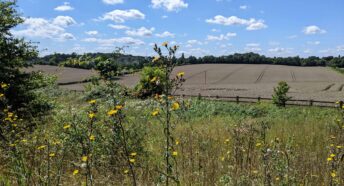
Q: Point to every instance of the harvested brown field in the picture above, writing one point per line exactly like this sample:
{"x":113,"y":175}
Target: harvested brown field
{"x":317,"y":83}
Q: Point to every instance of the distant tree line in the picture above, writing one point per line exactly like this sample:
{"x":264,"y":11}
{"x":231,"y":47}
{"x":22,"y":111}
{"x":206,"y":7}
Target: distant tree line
{"x":91,"y":60}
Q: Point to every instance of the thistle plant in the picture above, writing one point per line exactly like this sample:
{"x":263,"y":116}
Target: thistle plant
{"x":168,"y":105}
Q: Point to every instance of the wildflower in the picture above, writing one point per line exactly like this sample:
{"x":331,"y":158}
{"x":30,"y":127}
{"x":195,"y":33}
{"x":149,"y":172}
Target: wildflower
{"x":131,"y":160}
{"x":155,"y":113}
{"x":222,"y":158}
{"x":180,"y":74}
{"x":52,"y":155}
{"x":170,"y":97}
{"x":41,"y":147}
{"x":329,"y":159}
{"x":14,"y":125}
{"x":332,"y":155}
{"x":4,"y":85}
{"x":133,"y":154}
{"x":277,"y":178}
{"x":112,"y":112}
{"x":177,"y":142}
{"x":175,"y":106}
{"x":66,"y":126}
{"x":156,"y":58}
{"x":75,"y":172}
{"x":126,"y":171}
{"x":153,"y":79}
{"x":119,"y":107}
{"x":339,"y":147}
{"x":91,"y":115}
{"x":164,"y":44}
{"x":337,"y":102}
{"x":1,"y":95}
{"x":174,"y":153}
{"x":258,"y":144}
{"x":12,"y":145}
{"x":333,"y":174}
{"x":24,"y":140}
{"x":92,"y":137}
{"x":255,"y":172}
{"x":93,"y":101}
{"x":84,"y":158}
{"x":227,"y":141}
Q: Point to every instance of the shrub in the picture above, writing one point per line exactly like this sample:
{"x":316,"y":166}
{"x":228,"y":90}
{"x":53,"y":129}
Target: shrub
{"x":280,"y":97}
{"x":151,"y":82}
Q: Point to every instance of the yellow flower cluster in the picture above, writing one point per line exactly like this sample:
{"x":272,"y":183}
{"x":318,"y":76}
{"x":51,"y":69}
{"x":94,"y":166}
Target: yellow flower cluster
{"x":92,"y":102}
{"x":180,"y":74}
{"x":155,"y":113}
{"x":91,"y":115}
{"x":4,"y":85}
{"x":175,"y":106}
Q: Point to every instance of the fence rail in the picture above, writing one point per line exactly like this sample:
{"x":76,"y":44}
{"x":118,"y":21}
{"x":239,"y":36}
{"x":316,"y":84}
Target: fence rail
{"x":294,"y":102}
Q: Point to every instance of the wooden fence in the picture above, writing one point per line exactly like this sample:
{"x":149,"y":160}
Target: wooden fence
{"x":294,"y":102}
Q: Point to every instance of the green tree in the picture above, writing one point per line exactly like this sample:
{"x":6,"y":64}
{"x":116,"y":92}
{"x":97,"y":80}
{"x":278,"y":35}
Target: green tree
{"x":280,"y":97}
{"x":15,"y":53}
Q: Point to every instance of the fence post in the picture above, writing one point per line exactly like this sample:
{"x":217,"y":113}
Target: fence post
{"x":310,"y":102}
{"x":217,"y":96}
{"x":237,"y":99}
{"x":259,"y":99}
{"x":341,"y":103}
{"x":199,"y":96}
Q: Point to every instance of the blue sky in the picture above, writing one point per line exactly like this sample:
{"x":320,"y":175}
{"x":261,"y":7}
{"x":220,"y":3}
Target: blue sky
{"x":199,"y":27}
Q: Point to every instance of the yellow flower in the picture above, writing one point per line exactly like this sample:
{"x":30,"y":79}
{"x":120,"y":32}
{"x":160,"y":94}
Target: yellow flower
{"x":126,"y":171}
{"x":112,"y":112}
{"x":84,"y":158}
{"x":75,"y":172}
{"x":41,"y":147}
{"x":4,"y":85}
{"x":92,"y":137}
{"x":333,"y":174}
{"x":93,"y":101}
{"x":174,"y":153}
{"x":255,"y":172}
{"x":177,"y":142}
{"x":227,"y":141}
{"x":133,"y":154}
{"x":1,"y":95}
{"x":24,"y":140}
{"x":51,"y":154}
{"x":155,"y":113}
{"x":339,"y":147}
{"x":132,"y":160}
{"x":155,"y":59}
{"x":91,"y":115}
{"x":337,"y":102}
{"x":332,"y":155}
{"x":12,"y":145}
{"x":119,"y":107}
{"x":175,"y":106}
{"x":222,"y":158}
{"x":277,"y":178}
{"x":329,"y":159}
{"x":164,"y":44}
{"x":258,"y":144}
{"x":180,"y":74}
{"x":66,"y":126}
{"x":153,"y":79}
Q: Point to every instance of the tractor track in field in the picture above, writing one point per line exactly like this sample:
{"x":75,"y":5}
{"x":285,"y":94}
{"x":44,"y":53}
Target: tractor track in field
{"x":293,"y":76}
{"x":228,"y":75}
{"x":328,"y":87}
{"x":341,"y":87}
{"x":260,"y":77}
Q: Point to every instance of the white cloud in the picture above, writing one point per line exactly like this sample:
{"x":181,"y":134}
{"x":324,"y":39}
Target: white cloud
{"x":164,"y":17}
{"x":253,"y":47}
{"x":165,"y":34}
{"x":119,"y":27}
{"x":49,"y":29}
{"x":313,"y":42}
{"x":64,"y":21}
{"x":120,"y":16}
{"x":143,"y":31}
{"x":243,"y":7}
{"x":215,"y":30}
{"x":221,"y":37}
{"x":65,"y":7}
{"x":92,"y":32}
{"x":252,"y":44}
{"x":340,"y":48}
{"x":251,"y":24}
{"x":169,"y":5}
{"x":193,"y":42}
{"x":280,"y":50}
{"x":292,"y":37}
{"x":113,"y":41}
{"x":310,"y":30}
{"x":113,"y":2}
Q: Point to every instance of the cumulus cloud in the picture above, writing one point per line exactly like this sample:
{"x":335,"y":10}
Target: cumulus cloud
{"x":113,"y":2}
{"x":65,"y":7}
{"x":165,"y":34}
{"x":50,"y":29}
{"x":169,"y":5}
{"x":92,"y":32}
{"x":243,"y":7}
{"x":113,"y":41}
{"x":251,"y":24}
{"x":119,"y":27}
{"x":120,"y":16}
{"x":340,"y":48}
{"x":313,"y":42}
{"x":221,"y":37}
{"x":280,"y":50}
{"x":194,"y":41}
{"x":311,"y":30}
{"x":253,"y":47}
{"x":143,"y":31}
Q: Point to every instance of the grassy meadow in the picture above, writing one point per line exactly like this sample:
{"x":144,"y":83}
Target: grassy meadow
{"x":215,"y":143}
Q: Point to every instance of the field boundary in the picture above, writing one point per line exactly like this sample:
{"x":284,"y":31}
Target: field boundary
{"x":294,"y":102}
